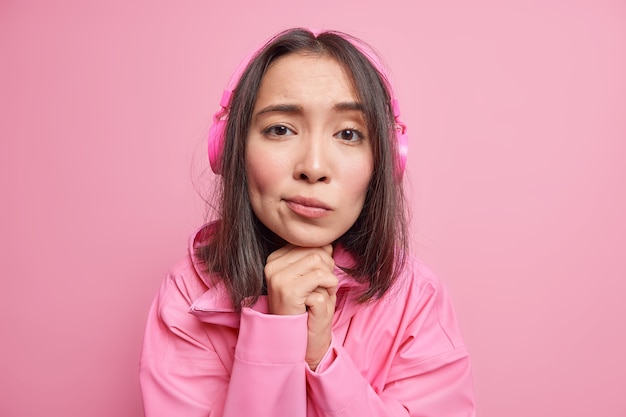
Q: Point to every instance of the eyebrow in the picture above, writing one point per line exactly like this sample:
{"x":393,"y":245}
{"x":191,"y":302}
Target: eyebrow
{"x":296,"y":109}
{"x":349,"y":106}
{"x":280,"y":108}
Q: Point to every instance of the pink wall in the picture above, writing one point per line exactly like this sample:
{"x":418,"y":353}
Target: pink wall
{"x":516,"y":112}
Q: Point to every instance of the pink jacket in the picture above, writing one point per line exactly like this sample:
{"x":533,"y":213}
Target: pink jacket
{"x":400,"y":356}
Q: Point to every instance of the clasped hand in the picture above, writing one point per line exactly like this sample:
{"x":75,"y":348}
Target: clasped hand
{"x":299,"y":280}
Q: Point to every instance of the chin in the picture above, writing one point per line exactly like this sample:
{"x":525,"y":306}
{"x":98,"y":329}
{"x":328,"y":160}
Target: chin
{"x":311,"y":238}
{"x":301,"y":238}
{"x":308,"y":243}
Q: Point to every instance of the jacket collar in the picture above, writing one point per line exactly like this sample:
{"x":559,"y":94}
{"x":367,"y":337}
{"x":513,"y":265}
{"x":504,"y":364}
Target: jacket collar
{"x":215,"y":307}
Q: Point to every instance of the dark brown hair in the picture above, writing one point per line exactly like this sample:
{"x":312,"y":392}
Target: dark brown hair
{"x":238,"y":248}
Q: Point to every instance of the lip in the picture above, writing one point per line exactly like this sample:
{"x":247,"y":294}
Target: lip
{"x":308,"y":207}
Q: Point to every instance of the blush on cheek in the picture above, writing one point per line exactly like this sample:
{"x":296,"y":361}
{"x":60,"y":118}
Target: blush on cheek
{"x":361,"y":182}
{"x":259,"y":179}
{"x":262,"y":180}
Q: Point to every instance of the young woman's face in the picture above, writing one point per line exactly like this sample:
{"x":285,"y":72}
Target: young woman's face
{"x":309,"y":156}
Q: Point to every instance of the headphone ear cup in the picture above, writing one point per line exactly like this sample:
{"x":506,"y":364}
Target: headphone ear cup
{"x":403,"y":149}
{"x":402,"y":140}
{"x":216,"y":145}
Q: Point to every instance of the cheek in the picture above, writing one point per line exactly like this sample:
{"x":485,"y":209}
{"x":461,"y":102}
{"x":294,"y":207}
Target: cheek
{"x":361,"y":193}
{"x":360,"y":177}
{"x":261,"y":174}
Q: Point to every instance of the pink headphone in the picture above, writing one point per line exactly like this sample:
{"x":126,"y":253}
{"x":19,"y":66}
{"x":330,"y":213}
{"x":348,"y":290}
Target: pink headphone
{"x":218,"y":128}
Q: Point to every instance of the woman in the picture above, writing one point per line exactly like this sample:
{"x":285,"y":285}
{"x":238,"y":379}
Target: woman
{"x":301,"y":300}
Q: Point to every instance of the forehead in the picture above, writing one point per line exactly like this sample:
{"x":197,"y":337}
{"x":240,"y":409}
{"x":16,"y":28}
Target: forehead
{"x":302,"y":74}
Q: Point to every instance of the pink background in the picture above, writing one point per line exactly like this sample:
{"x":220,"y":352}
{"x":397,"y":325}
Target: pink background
{"x":516,"y":111}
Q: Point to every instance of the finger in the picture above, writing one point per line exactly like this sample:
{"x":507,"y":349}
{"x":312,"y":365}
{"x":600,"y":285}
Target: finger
{"x":303,"y":280}
{"x":321,"y":303}
{"x":288,"y":295}
{"x":296,"y":263}
{"x":292,"y":273}
{"x":279,"y":253}
{"x":321,"y":308}
{"x":290,"y":253}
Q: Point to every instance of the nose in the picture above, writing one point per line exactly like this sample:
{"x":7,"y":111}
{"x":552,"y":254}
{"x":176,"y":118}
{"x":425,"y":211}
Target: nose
{"x":313,"y":161}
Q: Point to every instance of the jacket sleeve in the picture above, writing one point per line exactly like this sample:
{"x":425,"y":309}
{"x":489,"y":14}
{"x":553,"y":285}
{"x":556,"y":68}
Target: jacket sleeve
{"x":429,"y":376}
{"x":268,"y":376}
{"x":183,"y":372}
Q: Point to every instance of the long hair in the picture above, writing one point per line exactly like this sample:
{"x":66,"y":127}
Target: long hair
{"x":237,"y":250}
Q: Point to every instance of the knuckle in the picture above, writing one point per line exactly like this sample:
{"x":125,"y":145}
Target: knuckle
{"x":317,"y":298}
{"x":315,"y":258}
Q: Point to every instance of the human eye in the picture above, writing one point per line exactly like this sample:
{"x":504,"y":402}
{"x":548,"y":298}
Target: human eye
{"x":278,"y":130}
{"x":350,"y":135}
